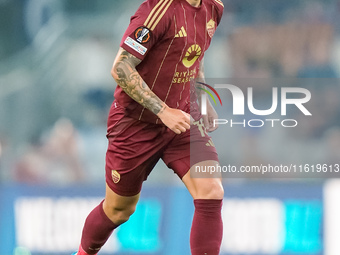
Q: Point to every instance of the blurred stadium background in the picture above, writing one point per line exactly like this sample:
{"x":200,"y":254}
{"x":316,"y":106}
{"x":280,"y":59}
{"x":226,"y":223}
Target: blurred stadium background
{"x":56,"y":90}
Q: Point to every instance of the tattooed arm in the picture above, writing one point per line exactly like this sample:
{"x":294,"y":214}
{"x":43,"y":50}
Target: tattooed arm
{"x":127,"y":77}
{"x":208,"y":119}
{"x":125,"y":73}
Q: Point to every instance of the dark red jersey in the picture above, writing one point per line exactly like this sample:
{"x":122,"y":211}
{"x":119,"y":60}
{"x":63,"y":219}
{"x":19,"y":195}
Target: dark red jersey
{"x":170,"y":37}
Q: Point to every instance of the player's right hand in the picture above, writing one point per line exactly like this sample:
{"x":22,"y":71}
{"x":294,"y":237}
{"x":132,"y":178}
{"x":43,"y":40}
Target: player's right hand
{"x":175,"y":119}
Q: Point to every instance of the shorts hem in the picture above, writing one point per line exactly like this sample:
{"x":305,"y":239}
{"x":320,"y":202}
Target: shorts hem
{"x":123,"y":192}
{"x":184,"y":165}
{"x":200,"y":157}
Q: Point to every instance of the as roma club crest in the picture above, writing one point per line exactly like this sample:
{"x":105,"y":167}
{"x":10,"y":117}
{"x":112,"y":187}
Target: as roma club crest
{"x":211,"y":27}
{"x":142,"y":35}
{"x":115,"y":176}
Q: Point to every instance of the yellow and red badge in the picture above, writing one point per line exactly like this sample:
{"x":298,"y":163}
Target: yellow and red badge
{"x":115,"y":176}
{"x":211,"y":27}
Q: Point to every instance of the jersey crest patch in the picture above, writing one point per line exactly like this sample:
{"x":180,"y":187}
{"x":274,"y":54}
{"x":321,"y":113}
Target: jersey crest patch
{"x":142,"y":35}
{"x":211,"y":28}
{"x":115,"y":176}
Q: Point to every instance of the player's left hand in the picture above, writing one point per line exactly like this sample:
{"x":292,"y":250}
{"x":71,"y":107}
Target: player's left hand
{"x":208,"y":119}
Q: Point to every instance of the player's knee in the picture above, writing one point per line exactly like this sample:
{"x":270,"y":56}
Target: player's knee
{"x":119,"y":215}
{"x":217,"y":191}
{"x":212,"y":191}
{"x":123,"y":216}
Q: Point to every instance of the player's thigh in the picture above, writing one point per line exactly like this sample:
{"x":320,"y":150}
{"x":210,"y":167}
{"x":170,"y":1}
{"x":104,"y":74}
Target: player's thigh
{"x":134,"y":148}
{"x":203,"y":186}
{"x":119,"y":208}
{"x":188,"y":149}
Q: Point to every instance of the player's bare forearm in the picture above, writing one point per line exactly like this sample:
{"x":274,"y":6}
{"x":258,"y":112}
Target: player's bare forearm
{"x":127,"y":77}
{"x":200,"y":83}
{"x":208,"y":119}
{"x":200,"y":79}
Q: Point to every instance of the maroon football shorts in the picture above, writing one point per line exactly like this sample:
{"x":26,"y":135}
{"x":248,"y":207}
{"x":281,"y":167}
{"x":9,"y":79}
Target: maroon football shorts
{"x":135,"y":147}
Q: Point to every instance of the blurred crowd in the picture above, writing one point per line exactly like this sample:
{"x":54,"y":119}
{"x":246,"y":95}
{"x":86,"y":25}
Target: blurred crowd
{"x":53,"y":115}
{"x":54,"y":159}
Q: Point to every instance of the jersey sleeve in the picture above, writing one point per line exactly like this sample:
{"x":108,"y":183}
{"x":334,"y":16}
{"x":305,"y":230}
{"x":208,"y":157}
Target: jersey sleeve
{"x":219,"y":7}
{"x":147,"y":26}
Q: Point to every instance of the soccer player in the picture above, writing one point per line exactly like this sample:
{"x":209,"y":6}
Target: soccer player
{"x":160,"y":54}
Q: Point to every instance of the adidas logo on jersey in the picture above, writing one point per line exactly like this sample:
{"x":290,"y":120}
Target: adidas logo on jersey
{"x":181,"y":33}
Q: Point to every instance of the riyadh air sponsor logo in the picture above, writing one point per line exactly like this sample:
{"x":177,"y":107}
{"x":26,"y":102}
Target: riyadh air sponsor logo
{"x":191,"y":56}
{"x":293,"y":96}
